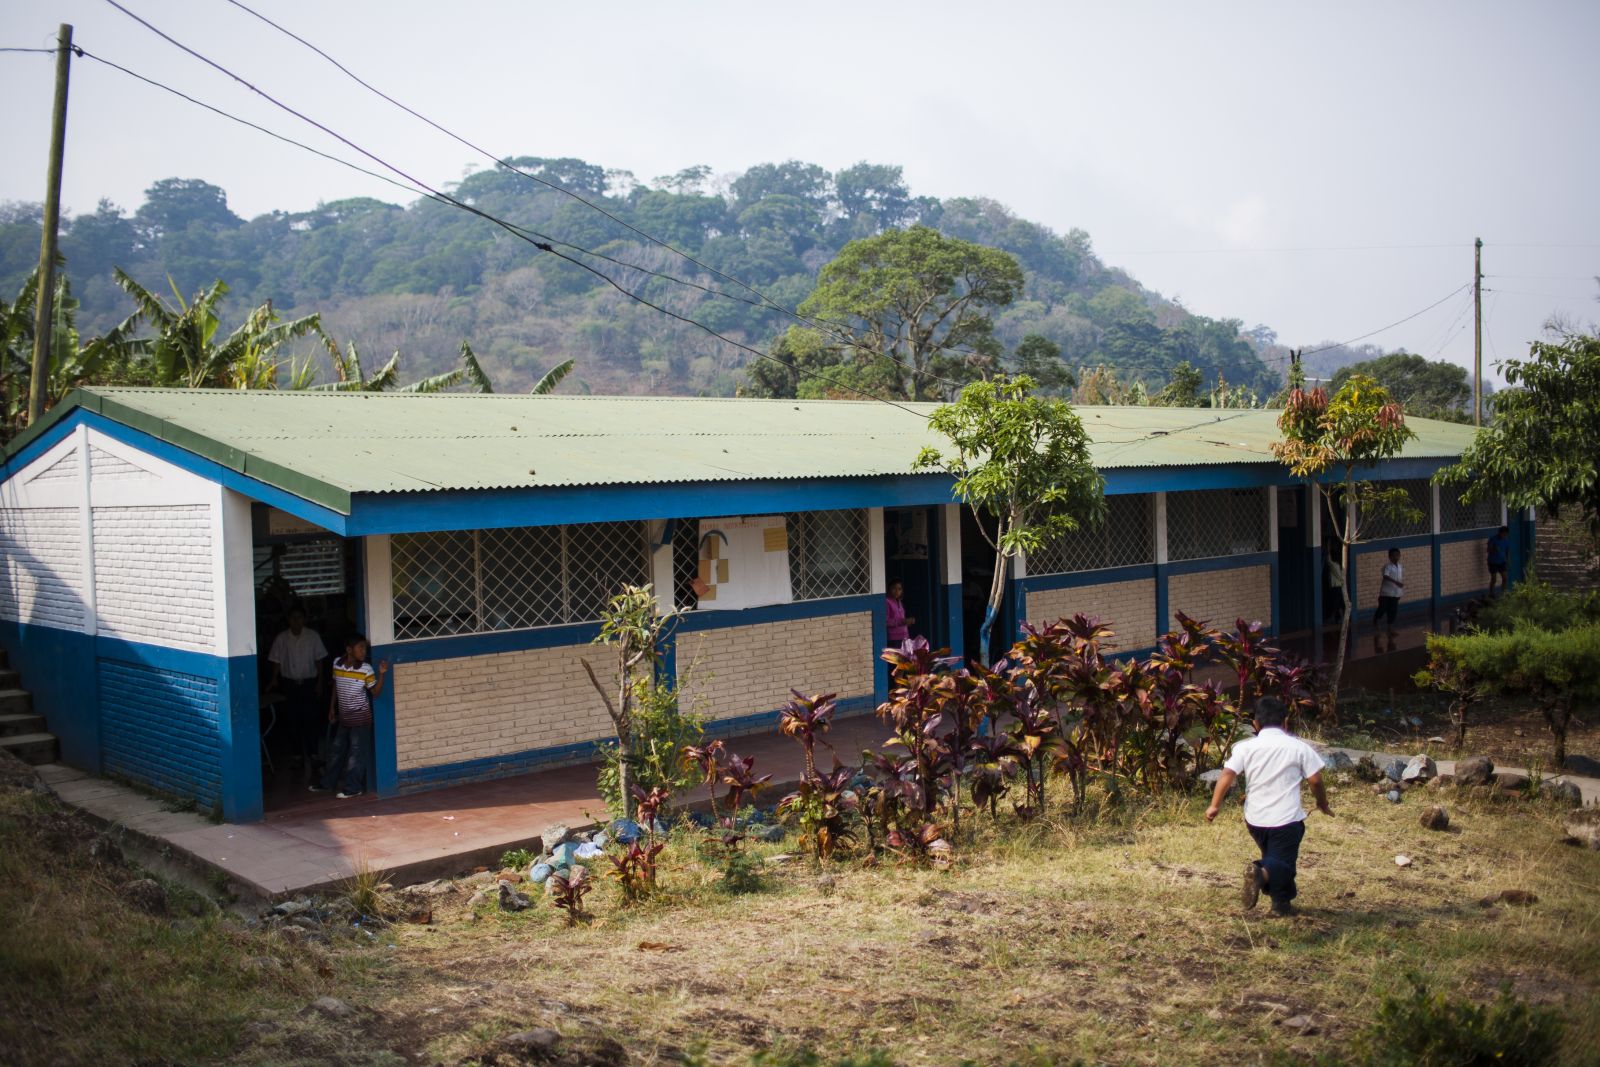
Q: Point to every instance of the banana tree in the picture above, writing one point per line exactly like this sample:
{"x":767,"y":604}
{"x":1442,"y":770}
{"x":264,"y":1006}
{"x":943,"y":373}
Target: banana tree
{"x":71,"y":362}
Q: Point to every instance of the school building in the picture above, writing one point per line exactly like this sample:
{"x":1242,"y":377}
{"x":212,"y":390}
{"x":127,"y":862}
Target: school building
{"x":151,"y":542}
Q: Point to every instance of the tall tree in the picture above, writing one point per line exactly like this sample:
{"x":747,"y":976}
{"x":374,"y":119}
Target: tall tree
{"x":1182,"y":389}
{"x":918,"y":299}
{"x":1325,"y":442}
{"x":1428,"y":389}
{"x":1039,"y":358}
{"x":1022,"y":459}
{"x":1541,"y":448}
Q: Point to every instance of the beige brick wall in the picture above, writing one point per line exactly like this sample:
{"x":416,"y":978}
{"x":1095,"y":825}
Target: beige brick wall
{"x":1463,"y":567}
{"x":451,"y":710}
{"x":1220,"y":597}
{"x":1129,"y":607}
{"x":746,"y":670}
{"x":1417,"y":563}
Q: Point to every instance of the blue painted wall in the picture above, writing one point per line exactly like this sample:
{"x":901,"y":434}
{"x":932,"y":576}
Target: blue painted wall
{"x":162,"y":728}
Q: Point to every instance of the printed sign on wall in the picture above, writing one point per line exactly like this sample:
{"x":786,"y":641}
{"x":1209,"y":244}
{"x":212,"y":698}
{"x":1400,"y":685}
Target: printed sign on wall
{"x":744,"y":563}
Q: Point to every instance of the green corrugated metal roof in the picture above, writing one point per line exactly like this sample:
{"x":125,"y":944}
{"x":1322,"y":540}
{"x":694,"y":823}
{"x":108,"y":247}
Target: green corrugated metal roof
{"x":327,"y":446}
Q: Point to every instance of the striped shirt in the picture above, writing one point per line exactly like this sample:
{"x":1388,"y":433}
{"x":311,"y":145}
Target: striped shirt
{"x":350,"y":684}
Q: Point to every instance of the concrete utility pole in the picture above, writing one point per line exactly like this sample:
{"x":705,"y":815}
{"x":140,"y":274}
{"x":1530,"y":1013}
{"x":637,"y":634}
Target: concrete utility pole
{"x":44,"y":311}
{"x":1477,"y":332}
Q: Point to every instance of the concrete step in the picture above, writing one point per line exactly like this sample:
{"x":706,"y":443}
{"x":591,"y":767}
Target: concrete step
{"x":26,"y":723}
{"x":10,"y":679}
{"x":32,"y":748}
{"x":15,"y":702}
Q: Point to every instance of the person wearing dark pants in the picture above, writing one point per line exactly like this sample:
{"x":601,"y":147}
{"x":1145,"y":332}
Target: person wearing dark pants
{"x":1498,"y":551}
{"x":296,"y":657}
{"x":1273,"y":764}
{"x":355,"y":685}
{"x":1390,"y":590}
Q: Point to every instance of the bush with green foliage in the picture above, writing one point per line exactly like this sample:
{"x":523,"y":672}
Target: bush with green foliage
{"x":1535,"y":603}
{"x":662,"y":733}
{"x":1425,"y":1028}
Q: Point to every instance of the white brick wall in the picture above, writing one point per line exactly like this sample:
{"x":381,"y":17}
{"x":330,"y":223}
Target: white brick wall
{"x":1416,"y":564}
{"x":41,"y":566}
{"x":105,"y":466}
{"x":1463,"y":567}
{"x":451,"y":710}
{"x":1222,"y":597}
{"x":1129,"y":607}
{"x":154,"y":571}
{"x":747,"y":670}
{"x":64,"y":469}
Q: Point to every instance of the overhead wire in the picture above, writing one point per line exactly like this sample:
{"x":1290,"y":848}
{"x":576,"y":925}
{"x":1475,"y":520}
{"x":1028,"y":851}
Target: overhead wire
{"x":764,"y":299}
{"x":544,"y":246}
{"x":45,"y":51}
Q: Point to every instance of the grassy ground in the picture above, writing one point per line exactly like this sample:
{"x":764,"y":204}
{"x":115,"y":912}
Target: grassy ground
{"x":1510,"y":732}
{"x":1116,"y":938}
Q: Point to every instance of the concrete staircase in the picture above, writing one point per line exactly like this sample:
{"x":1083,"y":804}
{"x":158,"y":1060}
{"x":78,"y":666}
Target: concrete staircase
{"x":22,"y":732}
{"x":1564,"y":555}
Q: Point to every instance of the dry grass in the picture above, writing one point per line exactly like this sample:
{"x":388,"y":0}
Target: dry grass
{"x":1117,"y":938}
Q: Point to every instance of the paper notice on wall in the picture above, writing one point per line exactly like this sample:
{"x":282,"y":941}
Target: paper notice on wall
{"x":744,"y":563}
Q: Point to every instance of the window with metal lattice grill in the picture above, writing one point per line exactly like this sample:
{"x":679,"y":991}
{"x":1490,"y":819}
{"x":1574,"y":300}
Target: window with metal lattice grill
{"x":1455,"y":514}
{"x":1216,"y":522}
{"x":829,"y":554}
{"x":1380,"y":525}
{"x":482,"y":581}
{"x":1124,"y":539}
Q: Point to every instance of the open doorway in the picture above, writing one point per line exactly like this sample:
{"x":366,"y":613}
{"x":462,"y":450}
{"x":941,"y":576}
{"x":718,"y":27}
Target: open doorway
{"x":912,"y":553}
{"x":309,"y":577}
{"x":977,"y":571}
{"x":1296,"y":567}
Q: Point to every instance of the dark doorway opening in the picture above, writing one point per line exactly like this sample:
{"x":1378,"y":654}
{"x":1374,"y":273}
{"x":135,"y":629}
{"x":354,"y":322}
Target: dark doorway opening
{"x":913,"y":549}
{"x":977,"y":571}
{"x":298,"y":566}
{"x":1296,"y":566}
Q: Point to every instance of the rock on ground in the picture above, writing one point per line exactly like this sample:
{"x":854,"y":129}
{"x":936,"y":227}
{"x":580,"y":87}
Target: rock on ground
{"x":1337,"y":762}
{"x":1474,"y":770}
{"x":1511,"y":783}
{"x":1434,"y":817}
{"x":1583,"y":826}
{"x":331,"y":1007}
{"x":1565,"y":791}
{"x":147,"y":895}
{"x":1420,"y":769}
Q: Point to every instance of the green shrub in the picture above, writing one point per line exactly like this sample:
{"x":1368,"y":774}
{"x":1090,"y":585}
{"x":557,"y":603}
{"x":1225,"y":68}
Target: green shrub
{"x":1421,"y":1028}
{"x":1539,"y":604}
{"x":662,"y":730}
{"x":517,"y":858}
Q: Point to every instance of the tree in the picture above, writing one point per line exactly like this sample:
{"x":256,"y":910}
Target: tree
{"x":1182,"y":389}
{"x":631,"y":626}
{"x":917,"y":298}
{"x":1326,"y":443}
{"x":1540,"y":450}
{"x":71,"y":363}
{"x":172,"y":205}
{"x":1024,"y":460}
{"x":1039,"y":358}
{"x":1429,"y":389}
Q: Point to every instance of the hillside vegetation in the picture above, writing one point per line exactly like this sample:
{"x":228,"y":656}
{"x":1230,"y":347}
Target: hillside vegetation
{"x":422,"y":277}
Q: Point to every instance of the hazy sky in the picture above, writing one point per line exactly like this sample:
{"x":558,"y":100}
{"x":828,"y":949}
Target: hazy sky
{"x":1321,"y":171}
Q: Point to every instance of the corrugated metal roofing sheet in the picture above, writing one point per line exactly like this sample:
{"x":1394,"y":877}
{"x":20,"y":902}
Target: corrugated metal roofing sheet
{"x":327,"y":446}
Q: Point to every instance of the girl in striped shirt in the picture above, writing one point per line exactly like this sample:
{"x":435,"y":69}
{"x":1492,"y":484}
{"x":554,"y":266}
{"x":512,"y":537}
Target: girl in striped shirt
{"x":355,"y":686}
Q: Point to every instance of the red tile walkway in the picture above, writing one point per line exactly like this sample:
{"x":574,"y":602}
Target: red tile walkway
{"x":446,"y":831}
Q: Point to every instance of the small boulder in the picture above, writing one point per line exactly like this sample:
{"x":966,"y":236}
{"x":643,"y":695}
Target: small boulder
{"x":1394,"y":769}
{"x":1475,"y":770}
{"x":530,"y":1045}
{"x":625,"y":831}
{"x":1382,"y":788}
{"x":1367,"y":769}
{"x":563,"y":855}
{"x":1511,"y":783}
{"x":1337,"y":762}
{"x":1419,"y":770}
{"x":1392,"y":796}
{"x":147,"y":895}
{"x":1441,"y":781}
{"x":511,"y":900}
{"x":554,"y":834}
{"x":1434,"y":817}
{"x":1402,"y":860}
{"x":331,"y":1008}
{"x":1582,"y":766}
{"x":1302,"y":1024}
{"x":510,"y":874}
{"x":1519,"y":897}
{"x":1208,"y":779}
{"x":539,"y":872}
{"x":1564,"y":792}
{"x":1583,"y":826}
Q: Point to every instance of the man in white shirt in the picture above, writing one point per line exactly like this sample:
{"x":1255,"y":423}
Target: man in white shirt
{"x":1273,"y":764}
{"x":296,"y":657}
{"x":1390,"y":591}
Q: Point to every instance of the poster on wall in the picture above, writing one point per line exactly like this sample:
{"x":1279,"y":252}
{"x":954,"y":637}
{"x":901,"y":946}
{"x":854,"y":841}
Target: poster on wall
{"x":744,"y":563}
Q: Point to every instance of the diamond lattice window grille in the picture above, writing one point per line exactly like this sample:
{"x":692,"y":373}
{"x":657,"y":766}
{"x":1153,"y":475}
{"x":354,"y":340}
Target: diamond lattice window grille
{"x":1455,"y":514}
{"x":829,"y":554}
{"x":1124,"y":539}
{"x":685,"y":562}
{"x":1380,"y":525}
{"x":1216,"y":522}
{"x":481,"y":581}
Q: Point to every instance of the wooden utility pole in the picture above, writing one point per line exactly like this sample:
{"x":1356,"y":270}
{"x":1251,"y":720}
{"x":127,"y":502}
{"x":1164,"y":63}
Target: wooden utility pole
{"x":44,"y":310}
{"x":1477,"y":332}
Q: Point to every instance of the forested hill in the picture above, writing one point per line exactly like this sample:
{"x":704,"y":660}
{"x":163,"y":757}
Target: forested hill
{"x":423,"y":277}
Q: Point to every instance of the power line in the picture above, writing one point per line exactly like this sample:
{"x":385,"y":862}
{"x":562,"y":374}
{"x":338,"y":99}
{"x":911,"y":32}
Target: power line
{"x":42,"y":51}
{"x":543,"y":246}
{"x":1298,"y":248}
{"x":1392,"y":325}
{"x":763,"y":301}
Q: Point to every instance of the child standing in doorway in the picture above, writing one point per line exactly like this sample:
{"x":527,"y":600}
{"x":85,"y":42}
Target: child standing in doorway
{"x":355,"y":686}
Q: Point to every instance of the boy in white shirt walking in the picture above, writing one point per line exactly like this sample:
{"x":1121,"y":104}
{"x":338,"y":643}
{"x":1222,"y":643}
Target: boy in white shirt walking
{"x":1273,"y":764}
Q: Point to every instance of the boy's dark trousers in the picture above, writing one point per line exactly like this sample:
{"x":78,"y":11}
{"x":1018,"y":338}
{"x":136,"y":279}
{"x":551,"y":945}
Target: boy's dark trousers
{"x":1280,"y":850}
{"x":354,"y":743}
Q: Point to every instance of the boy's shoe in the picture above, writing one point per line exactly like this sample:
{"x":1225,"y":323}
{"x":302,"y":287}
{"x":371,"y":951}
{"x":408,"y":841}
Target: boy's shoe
{"x":347,"y":796}
{"x":315,"y":788}
{"x":1251,"y":890}
{"x":1282,"y":910}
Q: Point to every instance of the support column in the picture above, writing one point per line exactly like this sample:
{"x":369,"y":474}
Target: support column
{"x":239,"y":718}
{"x":1163,"y":621}
{"x":950,"y":578}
